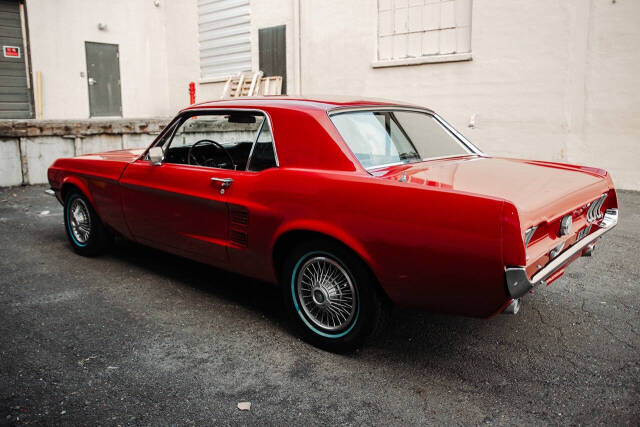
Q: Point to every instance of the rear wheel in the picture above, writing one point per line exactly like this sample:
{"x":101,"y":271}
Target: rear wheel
{"x":330,"y":295}
{"x":85,"y":231}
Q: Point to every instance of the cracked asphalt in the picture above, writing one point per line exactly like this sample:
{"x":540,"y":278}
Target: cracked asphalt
{"x":141,"y":337}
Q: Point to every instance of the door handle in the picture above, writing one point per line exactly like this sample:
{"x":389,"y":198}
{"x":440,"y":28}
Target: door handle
{"x":224,"y":183}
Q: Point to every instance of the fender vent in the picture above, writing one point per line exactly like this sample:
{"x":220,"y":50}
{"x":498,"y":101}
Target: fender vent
{"x":239,"y":226}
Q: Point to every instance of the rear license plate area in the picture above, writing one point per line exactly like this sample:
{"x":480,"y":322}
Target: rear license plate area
{"x":582,"y":233}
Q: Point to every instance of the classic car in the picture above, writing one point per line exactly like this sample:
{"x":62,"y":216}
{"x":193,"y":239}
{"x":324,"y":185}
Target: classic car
{"x":348,"y":205}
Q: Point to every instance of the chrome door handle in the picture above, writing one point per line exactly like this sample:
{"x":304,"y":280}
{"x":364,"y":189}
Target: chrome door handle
{"x":224,"y":182}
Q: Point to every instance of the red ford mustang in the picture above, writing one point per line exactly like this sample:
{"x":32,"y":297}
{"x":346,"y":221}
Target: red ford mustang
{"x":347,"y":205}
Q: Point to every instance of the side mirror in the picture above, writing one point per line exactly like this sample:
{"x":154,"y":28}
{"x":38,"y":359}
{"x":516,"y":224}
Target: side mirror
{"x":156,"y":155}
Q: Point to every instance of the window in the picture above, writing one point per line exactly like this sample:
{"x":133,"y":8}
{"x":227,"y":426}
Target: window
{"x":225,"y":140}
{"x":263,"y":156}
{"x":379,"y":138}
{"x":419,"y":31}
{"x":224,"y":28}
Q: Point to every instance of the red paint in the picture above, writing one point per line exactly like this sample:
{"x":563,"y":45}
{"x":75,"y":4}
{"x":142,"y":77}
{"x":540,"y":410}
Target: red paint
{"x":192,"y":93}
{"x":439,"y":241}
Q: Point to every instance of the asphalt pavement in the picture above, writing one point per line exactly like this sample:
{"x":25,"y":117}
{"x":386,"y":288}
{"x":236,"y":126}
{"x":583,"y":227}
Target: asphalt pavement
{"x":140,"y":337}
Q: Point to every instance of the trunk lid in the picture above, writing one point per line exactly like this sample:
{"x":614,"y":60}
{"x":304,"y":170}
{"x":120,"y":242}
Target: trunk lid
{"x":541,"y":191}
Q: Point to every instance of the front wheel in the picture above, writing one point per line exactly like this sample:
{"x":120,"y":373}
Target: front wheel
{"x":85,"y":231}
{"x":330,"y":295}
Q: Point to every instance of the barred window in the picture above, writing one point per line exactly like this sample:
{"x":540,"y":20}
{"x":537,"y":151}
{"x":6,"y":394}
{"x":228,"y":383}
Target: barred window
{"x":423,"y":28}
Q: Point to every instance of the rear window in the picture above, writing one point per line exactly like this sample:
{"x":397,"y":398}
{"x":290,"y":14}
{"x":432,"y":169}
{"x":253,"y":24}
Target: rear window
{"x":380,"y":138}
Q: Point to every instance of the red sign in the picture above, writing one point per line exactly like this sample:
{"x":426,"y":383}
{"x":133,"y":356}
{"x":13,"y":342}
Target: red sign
{"x":11,"y":51}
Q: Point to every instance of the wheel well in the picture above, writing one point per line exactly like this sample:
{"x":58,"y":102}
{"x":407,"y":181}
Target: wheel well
{"x":290,"y":239}
{"x":66,"y":188}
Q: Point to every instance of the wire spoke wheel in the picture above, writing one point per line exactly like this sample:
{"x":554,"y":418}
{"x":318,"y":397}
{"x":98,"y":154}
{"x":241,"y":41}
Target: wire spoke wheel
{"x":80,"y":220}
{"x":326,"y":293}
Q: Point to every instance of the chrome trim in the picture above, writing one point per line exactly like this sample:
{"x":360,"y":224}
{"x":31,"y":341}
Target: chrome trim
{"x":556,"y":251}
{"x":253,"y":146}
{"x":211,"y":111}
{"x":518,"y":283}
{"x":224,"y":182}
{"x":594,"y":212}
{"x":513,"y":307}
{"x":529,"y":234}
{"x":527,"y":237}
{"x":386,"y":165}
{"x":565,"y":225}
{"x":326,"y":293}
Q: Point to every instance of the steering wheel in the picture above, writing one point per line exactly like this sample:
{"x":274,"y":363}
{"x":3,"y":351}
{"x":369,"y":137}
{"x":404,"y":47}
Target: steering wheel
{"x":193,"y":160}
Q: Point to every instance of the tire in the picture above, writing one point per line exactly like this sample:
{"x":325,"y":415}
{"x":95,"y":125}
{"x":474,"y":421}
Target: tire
{"x":90,"y":240}
{"x":340,"y":316}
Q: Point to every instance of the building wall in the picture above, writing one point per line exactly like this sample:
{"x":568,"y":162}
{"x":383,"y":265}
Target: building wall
{"x":157,"y":47}
{"x":548,"y":79}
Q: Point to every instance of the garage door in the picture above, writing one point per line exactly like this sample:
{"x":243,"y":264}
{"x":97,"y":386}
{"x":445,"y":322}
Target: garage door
{"x":15,"y":95}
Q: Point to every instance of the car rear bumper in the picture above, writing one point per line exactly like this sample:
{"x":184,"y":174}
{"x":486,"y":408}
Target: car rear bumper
{"x":518,"y":283}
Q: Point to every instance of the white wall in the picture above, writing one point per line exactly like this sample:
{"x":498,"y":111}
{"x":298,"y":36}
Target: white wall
{"x":553,"y":80}
{"x":548,"y":79}
{"x":157,"y":47}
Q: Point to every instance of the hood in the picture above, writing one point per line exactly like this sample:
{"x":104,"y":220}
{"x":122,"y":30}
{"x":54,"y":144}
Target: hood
{"x":539,"y":190}
{"x":117,"y":156}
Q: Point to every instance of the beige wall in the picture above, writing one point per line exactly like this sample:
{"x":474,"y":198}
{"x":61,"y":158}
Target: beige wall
{"x":548,"y":79}
{"x":552,"y":80}
{"x":157,"y":46}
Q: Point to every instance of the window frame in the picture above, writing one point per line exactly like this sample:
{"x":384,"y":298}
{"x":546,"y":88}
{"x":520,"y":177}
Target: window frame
{"x":379,"y":62}
{"x":173,"y":126}
{"x":461,"y":139}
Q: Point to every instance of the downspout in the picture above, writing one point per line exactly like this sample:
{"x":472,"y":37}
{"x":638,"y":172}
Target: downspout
{"x":298,"y":47}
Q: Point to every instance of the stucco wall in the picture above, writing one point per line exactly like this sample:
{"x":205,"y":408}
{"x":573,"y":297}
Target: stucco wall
{"x":548,"y":79}
{"x":157,"y":46}
{"x":553,"y":80}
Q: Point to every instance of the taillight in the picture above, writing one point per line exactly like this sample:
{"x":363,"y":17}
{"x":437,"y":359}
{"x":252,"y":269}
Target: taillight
{"x":595,"y":210}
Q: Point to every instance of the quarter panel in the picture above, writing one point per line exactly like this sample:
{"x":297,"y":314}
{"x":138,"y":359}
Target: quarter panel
{"x":429,"y":248}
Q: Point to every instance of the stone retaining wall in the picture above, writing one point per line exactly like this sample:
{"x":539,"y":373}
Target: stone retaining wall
{"x":29,"y":147}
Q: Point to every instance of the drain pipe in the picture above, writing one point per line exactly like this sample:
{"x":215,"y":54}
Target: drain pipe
{"x":298,"y":47}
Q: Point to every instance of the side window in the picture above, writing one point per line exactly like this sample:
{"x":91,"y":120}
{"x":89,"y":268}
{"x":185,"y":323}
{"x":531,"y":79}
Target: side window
{"x":221,"y":140}
{"x":263,"y":156}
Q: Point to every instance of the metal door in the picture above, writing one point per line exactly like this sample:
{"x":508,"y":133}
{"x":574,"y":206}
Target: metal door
{"x":103,"y":78}
{"x":15,"y":92}
{"x":272,"y":47}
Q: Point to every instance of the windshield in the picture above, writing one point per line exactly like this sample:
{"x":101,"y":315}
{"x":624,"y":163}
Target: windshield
{"x":380,"y":138}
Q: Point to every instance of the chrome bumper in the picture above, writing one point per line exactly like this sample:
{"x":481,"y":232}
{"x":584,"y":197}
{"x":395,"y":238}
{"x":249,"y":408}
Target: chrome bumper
{"x":519,"y":284}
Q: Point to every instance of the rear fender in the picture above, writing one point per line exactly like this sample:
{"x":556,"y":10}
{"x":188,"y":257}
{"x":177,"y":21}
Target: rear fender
{"x":327,"y":229}
{"x":513,"y":250}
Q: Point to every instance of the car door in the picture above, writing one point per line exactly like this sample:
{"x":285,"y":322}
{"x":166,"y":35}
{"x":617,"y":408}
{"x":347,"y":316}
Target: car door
{"x":180,"y":205}
{"x":178,"y":208}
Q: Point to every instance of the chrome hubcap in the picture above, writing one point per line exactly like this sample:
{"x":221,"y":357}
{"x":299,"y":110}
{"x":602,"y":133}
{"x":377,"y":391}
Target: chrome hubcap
{"x":326,"y":293}
{"x":80,"y":220}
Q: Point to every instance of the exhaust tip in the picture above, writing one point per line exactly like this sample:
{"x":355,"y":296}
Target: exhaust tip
{"x":589,"y":249}
{"x":512,"y":308}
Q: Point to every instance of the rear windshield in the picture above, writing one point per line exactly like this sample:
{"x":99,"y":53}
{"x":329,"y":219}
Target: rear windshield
{"x":380,"y":138}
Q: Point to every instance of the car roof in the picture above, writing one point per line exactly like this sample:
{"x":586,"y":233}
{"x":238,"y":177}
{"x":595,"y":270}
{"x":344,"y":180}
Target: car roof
{"x":302,"y":102}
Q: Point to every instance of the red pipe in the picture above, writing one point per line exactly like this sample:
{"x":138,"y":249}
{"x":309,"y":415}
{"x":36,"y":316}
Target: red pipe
{"x":192,"y":93}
